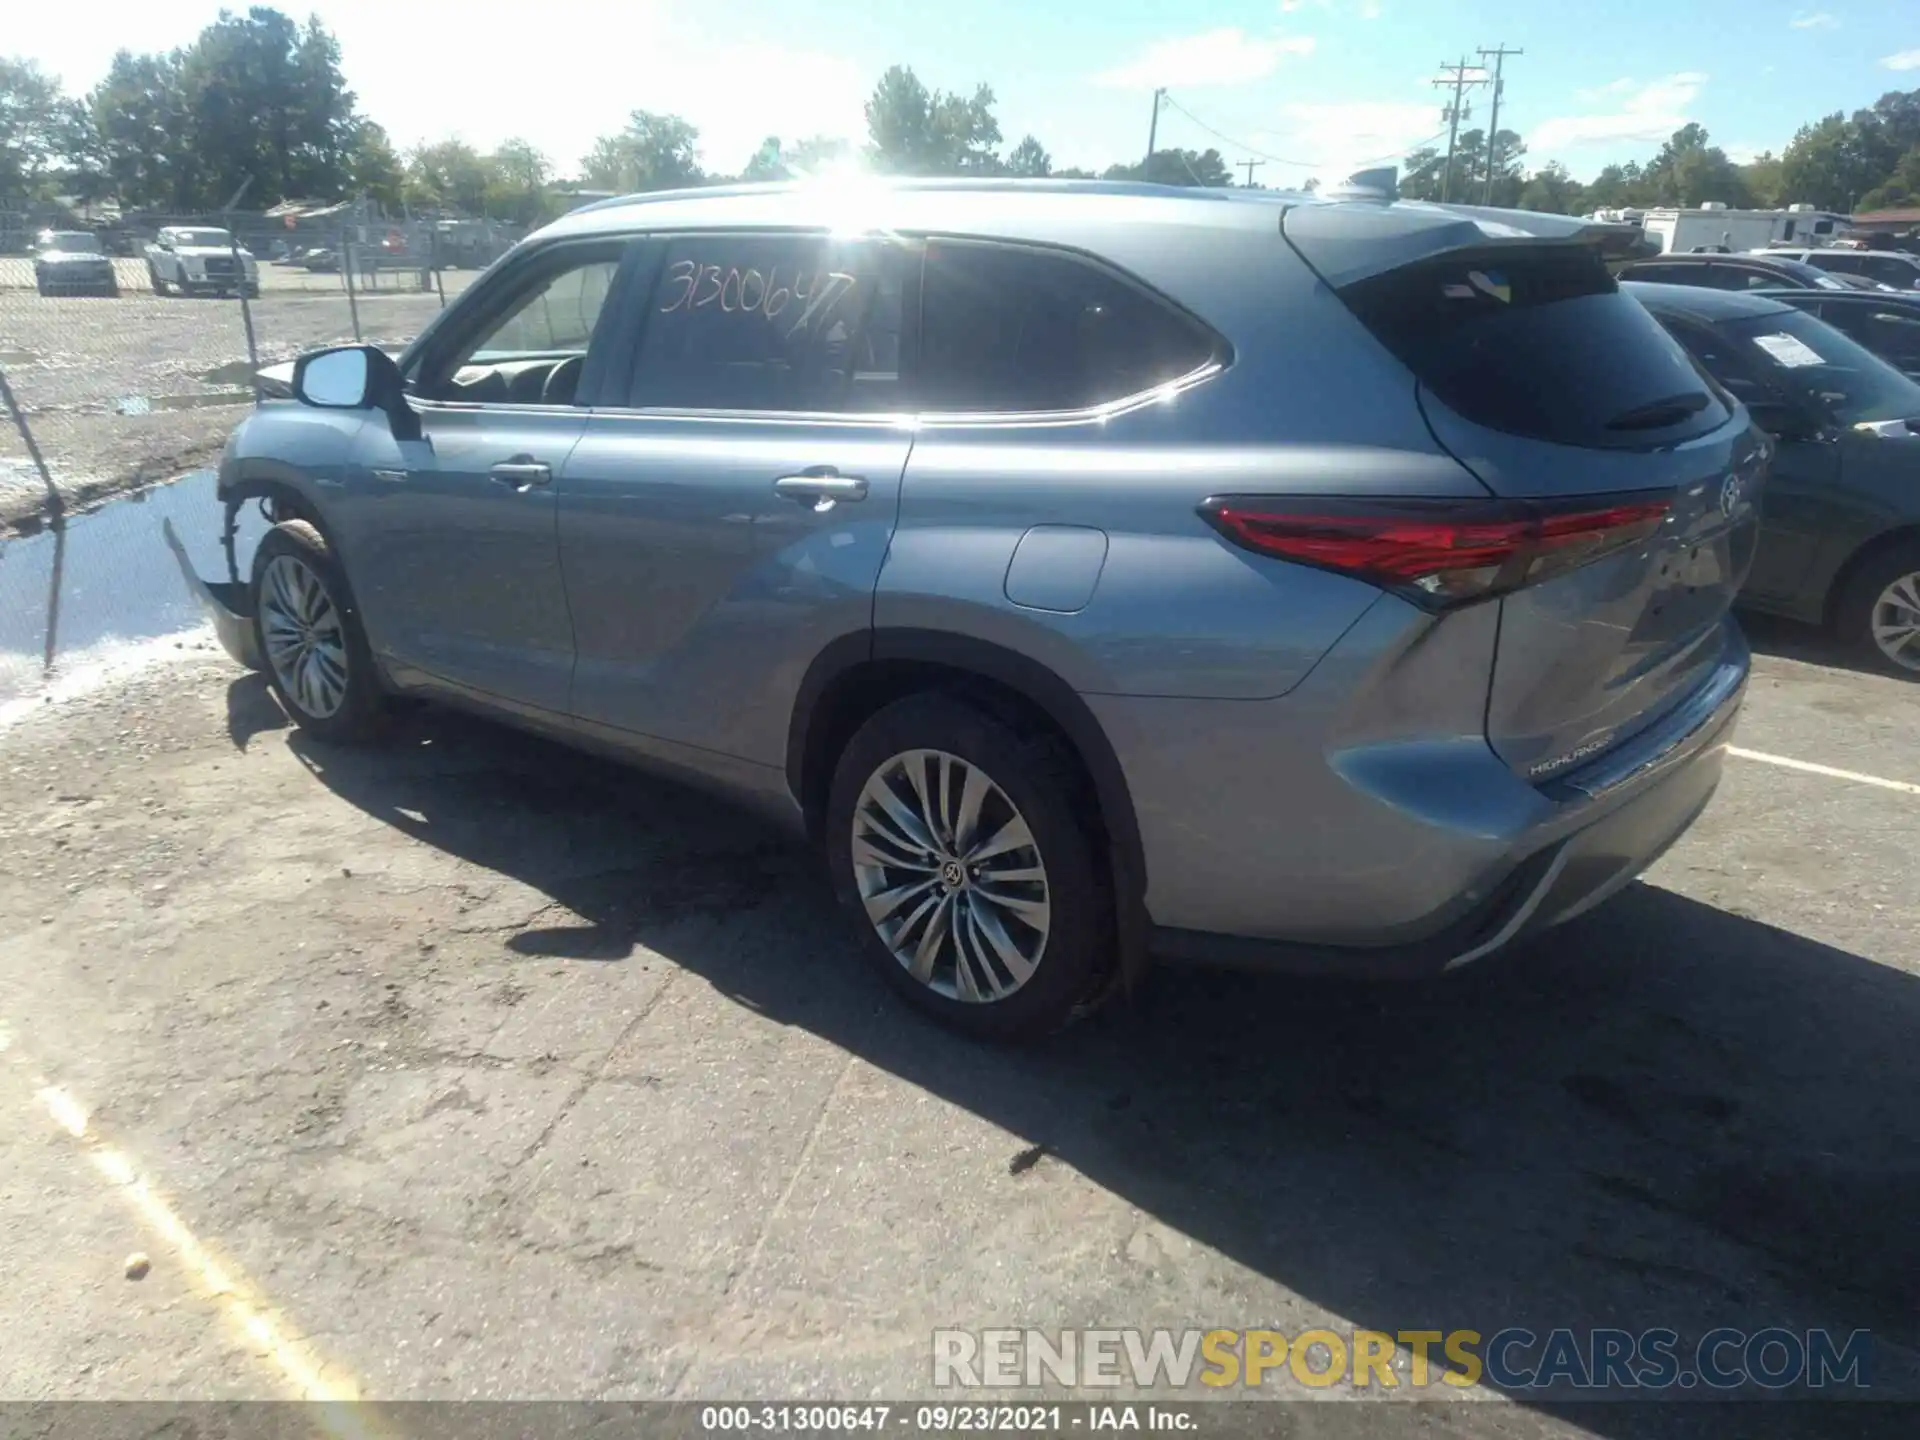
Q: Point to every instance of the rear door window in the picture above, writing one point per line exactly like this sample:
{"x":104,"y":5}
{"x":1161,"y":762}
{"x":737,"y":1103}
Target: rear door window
{"x":1014,"y":329}
{"x":1541,"y":344}
{"x":1888,"y":271}
{"x":773,"y":323}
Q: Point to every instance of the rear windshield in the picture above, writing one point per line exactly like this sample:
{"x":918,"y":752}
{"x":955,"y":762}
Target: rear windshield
{"x":74,"y":244}
{"x":1812,"y":359}
{"x":1541,"y":344}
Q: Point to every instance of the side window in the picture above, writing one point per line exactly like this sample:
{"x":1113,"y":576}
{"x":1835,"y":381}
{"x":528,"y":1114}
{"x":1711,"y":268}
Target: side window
{"x":1897,"y":273}
{"x":793,"y":323}
{"x":1668,"y":274}
{"x":1010,"y":329}
{"x":526,"y":340}
{"x":1843,"y":264}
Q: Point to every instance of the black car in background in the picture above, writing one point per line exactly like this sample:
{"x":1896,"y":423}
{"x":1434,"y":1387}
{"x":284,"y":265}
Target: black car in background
{"x":1731,"y":272}
{"x":72,"y":262}
{"x":1840,"y":518}
{"x":1888,"y":325}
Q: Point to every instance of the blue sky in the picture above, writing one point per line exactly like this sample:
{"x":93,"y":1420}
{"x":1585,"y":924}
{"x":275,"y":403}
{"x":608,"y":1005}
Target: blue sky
{"x":1320,"y":84}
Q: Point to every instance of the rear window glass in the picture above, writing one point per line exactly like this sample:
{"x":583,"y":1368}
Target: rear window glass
{"x":1008,"y":329}
{"x":1542,"y":345}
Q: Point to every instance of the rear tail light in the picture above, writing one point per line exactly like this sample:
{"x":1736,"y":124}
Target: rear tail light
{"x":1438,"y":553}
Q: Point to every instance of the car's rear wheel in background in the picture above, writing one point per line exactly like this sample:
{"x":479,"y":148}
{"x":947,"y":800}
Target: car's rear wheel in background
{"x":957,"y":845}
{"x":153,"y":279}
{"x":1878,"y":615}
{"x":310,"y":637}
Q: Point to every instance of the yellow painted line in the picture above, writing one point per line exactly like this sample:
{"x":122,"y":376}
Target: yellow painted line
{"x":1903,"y":787}
{"x":267,"y":1334}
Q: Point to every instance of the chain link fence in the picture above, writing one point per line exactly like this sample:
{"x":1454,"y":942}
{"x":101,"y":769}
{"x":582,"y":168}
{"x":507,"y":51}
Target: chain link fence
{"x":128,"y":349}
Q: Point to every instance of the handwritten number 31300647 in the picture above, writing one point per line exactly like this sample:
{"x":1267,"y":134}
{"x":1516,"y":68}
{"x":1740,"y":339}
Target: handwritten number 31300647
{"x":748,"y":292}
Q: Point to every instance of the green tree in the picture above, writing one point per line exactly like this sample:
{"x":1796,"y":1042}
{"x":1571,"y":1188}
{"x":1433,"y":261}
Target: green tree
{"x":138,"y":111}
{"x":1552,"y":190}
{"x":768,"y":163}
{"x":41,"y":130}
{"x":518,"y":174}
{"x":1833,"y":162}
{"x":653,"y":152}
{"x":373,"y":169}
{"x":1030,"y":159}
{"x":1762,"y":177}
{"x":450,"y":175}
{"x":1900,"y":190}
{"x":1618,"y":187}
{"x":1177,"y":167}
{"x":1423,"y":173}
{"x":1690,"y":170}
{"x":915,"y":131}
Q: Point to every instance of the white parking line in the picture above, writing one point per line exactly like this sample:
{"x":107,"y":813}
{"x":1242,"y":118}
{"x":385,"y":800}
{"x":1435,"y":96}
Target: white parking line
{"x":267,"y":1335}
{"x":1900,"y":786}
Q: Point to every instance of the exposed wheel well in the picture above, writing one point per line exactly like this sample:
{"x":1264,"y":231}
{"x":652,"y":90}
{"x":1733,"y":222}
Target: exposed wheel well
{"x":279,"y":500}
{"x":860,"y":692}
{"x":1908,"y":535}
{"x":857,"y":677}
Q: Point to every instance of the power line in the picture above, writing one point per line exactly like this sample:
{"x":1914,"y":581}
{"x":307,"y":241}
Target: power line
{"x":1283,"y":160}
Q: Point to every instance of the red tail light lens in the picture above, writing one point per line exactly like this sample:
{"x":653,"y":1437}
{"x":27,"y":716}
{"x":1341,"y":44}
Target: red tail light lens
{"x":1439,"y":552}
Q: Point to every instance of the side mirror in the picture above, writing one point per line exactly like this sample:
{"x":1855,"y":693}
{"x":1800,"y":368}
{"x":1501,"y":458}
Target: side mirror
{"x":355,"y":377}
{"x":1784,"y":421}
{"x":334,"y":379}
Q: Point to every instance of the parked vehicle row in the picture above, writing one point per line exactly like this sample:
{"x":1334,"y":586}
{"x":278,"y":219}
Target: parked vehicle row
{"x":1092,"y":570}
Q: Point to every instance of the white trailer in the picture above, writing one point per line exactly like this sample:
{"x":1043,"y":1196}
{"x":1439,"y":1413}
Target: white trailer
{"x":1714,"y":226}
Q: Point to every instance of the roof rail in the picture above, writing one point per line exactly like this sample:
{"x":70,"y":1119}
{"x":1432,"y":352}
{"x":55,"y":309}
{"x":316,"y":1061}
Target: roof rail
{"x":988,"y":184}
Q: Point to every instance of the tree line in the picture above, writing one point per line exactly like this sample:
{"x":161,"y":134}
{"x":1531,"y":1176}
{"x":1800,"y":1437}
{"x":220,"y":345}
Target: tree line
{"x":259,"y":100}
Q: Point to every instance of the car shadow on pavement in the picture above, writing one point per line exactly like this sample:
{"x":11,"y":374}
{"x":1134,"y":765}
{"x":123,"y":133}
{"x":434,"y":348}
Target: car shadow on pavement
{"x":1809,"y":644}
{"x":1665,"y":1114}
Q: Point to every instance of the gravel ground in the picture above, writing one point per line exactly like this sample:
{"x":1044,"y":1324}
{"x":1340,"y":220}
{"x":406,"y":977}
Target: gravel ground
{"x":488,"y":1070}
{"x":120,"y":393}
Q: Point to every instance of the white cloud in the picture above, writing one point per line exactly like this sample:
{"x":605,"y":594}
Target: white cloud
{"x":1743,"y":154}
{"x":1228,"y":56}
{"x":1905,"y":60}
{"x":1636,"y":112}
{"x":1813,"y":20}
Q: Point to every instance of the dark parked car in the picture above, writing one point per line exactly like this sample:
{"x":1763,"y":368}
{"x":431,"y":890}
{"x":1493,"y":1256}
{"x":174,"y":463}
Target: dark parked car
{"x":71,"y":262}
{"x":1888,"y":325}
{"x":1731,"y":272}
{"x":1840,"y":525}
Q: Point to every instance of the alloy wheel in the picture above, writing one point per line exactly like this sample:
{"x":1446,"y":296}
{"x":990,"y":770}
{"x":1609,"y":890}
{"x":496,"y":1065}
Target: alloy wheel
{"x":306,"y":642}
{"x":1896,"y":622}
{"x":951,"y":876}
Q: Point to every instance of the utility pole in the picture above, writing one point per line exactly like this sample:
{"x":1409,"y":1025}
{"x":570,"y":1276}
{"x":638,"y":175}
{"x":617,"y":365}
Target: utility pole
{"x":1493,"y":126}
{"x":1459,"y":77}
{"x":1249,"y":166}
{"x":1153,"y":134}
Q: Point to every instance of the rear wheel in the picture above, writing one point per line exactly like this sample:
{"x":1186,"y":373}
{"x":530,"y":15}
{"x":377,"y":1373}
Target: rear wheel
{"x":956,"y":845}
{"x":153,"y":279}
{"x":309,"y":633}
{"x":1878,"y":616}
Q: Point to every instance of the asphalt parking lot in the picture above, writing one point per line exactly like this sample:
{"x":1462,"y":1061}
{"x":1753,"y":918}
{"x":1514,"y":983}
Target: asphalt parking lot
{"x":471,"y":1067}
{"x":124,"y":392}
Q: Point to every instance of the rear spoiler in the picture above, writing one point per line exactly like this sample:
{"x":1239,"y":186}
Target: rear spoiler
{"x":1352,"y":240}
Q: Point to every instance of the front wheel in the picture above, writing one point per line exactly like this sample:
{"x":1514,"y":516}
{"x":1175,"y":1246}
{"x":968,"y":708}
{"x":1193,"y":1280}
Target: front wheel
{"x":308,"y":631}
{"x":957,"y":846}
{"x":1878,"y":616}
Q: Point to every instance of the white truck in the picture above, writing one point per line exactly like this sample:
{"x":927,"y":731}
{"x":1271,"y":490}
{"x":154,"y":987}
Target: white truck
{"x":198,"y":259}
{"x":1714,"y":226}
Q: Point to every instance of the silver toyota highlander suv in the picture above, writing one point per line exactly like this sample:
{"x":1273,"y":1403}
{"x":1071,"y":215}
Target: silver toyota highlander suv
{"x":1094,"y":571}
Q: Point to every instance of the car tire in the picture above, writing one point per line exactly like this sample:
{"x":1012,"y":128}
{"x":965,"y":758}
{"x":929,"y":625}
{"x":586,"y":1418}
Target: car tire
{"x":43,"y":287}
{"x":153,"y":278}
{"x":312,"y":645}
{"x":1004,"y":945}
{"x":1882,"y":600}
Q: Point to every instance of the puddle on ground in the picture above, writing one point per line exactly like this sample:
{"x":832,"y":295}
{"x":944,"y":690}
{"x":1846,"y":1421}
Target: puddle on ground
{"x":88,"y":590}
{"x":234,"y":373}
{"x":16,"y":357}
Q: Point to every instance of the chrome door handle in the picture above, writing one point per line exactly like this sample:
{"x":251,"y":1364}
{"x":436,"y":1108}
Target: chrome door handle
{"x":824,"y":489}
{"x":522,"y":473}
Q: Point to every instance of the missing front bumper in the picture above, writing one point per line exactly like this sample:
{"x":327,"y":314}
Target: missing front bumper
{"x":228,"y":604}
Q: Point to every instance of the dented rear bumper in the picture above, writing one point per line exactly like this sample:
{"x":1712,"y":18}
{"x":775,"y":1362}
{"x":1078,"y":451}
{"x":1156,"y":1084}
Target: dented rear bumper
{"x":226,"y":603}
